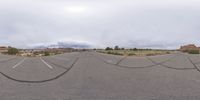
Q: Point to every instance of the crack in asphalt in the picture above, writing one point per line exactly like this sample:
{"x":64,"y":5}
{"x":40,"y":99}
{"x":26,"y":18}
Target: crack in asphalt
{"x":162,"y":64}
{"x":57,"y":65}
{"x":195,"y":66}
{"x":139,"y":67}
{"x":101,"y":59}
{"x":121,"y":60}
{"x":154,"y":63}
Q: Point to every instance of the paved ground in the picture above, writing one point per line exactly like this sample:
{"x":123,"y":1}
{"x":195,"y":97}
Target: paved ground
{"x":94,"y":76}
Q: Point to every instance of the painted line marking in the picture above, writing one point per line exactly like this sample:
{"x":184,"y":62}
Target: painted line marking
{"x":46,"y":63}
{"x":19,"y":63}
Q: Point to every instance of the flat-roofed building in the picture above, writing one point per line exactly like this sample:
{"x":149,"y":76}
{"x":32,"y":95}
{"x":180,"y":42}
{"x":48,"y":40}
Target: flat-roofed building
{"x":3,"y":49}
{"x":189,"y":47}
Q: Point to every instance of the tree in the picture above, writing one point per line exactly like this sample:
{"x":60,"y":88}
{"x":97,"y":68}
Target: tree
{"x":135,"y":49}
{"x":116,"y":48}
{"x":12,"y":51}
{"x":108,"y":48}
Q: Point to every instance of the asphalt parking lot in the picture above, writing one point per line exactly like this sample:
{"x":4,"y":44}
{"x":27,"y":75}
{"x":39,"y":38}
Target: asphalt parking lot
{"x":95,"y":76}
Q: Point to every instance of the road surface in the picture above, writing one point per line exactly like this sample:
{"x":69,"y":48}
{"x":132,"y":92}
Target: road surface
{"x":95,"y":76}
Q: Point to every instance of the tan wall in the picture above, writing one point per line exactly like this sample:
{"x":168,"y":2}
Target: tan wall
{"x":185,"y":48}
{"x":3,"y":50}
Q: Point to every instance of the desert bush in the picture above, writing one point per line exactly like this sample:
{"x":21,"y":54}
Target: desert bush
{"x":12,"y":51}
{"x":114,"y":53}
{"x":131,"y":54}
{"x":167,"y":52}
{"x":193,"y":51}
{"x":150,"y":54}
{"x":46,"y":53}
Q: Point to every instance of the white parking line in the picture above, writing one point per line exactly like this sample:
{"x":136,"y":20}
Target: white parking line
{"x":46,"y":63}
{"x":19,"y":63}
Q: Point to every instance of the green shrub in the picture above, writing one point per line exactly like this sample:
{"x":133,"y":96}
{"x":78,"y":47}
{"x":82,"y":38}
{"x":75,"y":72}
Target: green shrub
{"x":193,"y":51}
{"x":12,"y":51}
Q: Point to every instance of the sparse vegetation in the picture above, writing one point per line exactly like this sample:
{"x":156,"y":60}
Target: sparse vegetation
{"x":114,"y":53}
{"x":131,"y":54}
{"x":134,"y":51}
{"x":46,"y":53}
{"x":193,"y":51}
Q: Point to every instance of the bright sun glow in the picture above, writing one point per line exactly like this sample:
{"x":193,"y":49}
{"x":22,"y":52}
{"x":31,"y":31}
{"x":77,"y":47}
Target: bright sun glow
{"x":75,"y":9}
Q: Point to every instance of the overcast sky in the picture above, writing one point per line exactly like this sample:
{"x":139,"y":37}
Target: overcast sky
{"x":100,"y":23}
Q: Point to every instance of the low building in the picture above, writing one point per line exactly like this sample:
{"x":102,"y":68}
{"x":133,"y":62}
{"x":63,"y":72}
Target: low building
{"x":189,"y":47}
{"x":3,"y":49}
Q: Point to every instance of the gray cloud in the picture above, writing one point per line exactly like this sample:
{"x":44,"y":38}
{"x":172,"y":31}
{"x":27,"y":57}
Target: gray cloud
{"x":131,"y":23}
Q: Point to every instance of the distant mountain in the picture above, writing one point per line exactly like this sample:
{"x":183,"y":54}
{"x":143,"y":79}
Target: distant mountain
{"x":75,"y":45}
